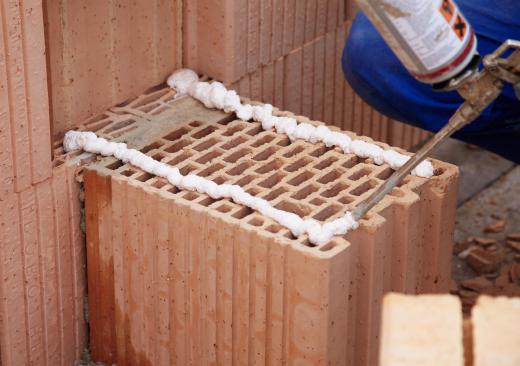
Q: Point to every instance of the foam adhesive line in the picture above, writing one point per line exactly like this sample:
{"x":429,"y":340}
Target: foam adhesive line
{"x":215,"y":95}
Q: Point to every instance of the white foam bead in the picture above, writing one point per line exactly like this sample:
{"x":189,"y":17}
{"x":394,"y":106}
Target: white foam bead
{"x":285,"y":125}
{"x":218,"y":94}
{"x":182,"y":79}
{"x":174,"y":177}
{"x":424,"y":169}
{"x":231,"y":101}
{"x":244,"y":112}
{"x":303,"y":131}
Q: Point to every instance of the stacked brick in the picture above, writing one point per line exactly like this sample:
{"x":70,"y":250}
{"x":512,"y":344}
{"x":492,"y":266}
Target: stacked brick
{"x":42,"y":286}
{"x":287,"y":53}
{"x":429,"y":330}
{"x":176,"y":277}
{"x":101,"y":53}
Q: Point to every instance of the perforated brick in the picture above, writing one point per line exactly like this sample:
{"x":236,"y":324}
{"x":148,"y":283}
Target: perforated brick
{"x":234,"y":280}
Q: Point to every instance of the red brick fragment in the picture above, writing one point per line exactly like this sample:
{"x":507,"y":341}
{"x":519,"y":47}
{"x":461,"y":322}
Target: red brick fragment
{"x":476,"y":284}
{"x":515,"y":245}
{"x":482,"y":261}
{"x":460,"y":246}
{"x":513,"y":236}
{"x":483,"y":241}
{"x":495,"y":227}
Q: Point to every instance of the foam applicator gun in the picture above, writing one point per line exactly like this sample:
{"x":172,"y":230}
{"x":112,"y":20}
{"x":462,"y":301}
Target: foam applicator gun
{"x":437,"y":45}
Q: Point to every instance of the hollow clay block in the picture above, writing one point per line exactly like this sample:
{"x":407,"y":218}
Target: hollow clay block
{"x":421,"y":331}
{"x":496,"y":331}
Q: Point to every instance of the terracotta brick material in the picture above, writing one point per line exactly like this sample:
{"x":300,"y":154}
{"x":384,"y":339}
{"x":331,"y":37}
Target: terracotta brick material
{"x":421,"y":330}
{"x":25,"y":152}
{"x":42,"y":291}
{"x":496,"y":333}
{"x":103,"y":52}
{"x":176,"y":277}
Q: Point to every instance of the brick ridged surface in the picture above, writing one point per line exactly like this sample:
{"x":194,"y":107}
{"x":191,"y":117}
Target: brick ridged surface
{"x":177,"y":277}
{"x":25,"y":153}
{"x":429,"y":330}
{"x":42,"y":291}
{"x":101,"y":53}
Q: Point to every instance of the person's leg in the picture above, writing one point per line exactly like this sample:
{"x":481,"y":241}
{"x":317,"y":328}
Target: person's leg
{"x":376,"y":74}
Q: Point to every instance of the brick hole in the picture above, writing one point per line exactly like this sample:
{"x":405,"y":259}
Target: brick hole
{"x":206,"y":144}
{"x":334,"y":190}
{"x":320,"y":151}
{"x":119,"y":125}
{"x":275,"y":194}
{"x":144,"y":177}
{"x":245,"y":180}
{"x":305,"y":192}
{"x":396,"y":192}
{"x":284,"y":141}
{"x":195,"y":124}
{"x":208,"y":157}
{"x":353,"y":160}
{"x":226,"y":120}
{"x":256,"y":221}
{"x":266,"y":154}
{"x":177,"y":134}
{"x":359,"y":174}
{"x":274,"y":228}
{"x":179,"y":158}
{"x":232,"y":130}
{"x":303,"y":177}
{"x":253,"y":191}
{"x":158,"y":156}
{"x":255,"y":130}
{"x":207,"y":201}
{"x":232,"y":158}
{"x":404,"y":182}
{"x":219,"y":180}
{"x":438,"y":171}
{"x":128,"y":172}
{"x":365,"y":187}
{"x":327,"y":212}
{"x":296,"y":208}
{"x":239,"y":169}
{"x":272,"y":180}
{"x":159,"y":183}
{"x":234,"y":143}
{"x":152,"y":146}
{"x":243,"y":212}
{"x":115,"y":165}
{"x":97,"y":119}
{"x":204,"y":132}
{"x":115,"y":135}
{"x":224,"y":208}
{"x":151,"y":96}
{"x":346,"y":200}
{"x":264,"y":140}
{"x":330,"y":245}
{"x":385,"y":174}
{"x":190,"y":196}
{"x":178,"y":146}
{"x":329,"y":177}
{"x":317,"y":201}
{"x":298,"y":165}
{"x":270,"y":166}
{"x":185,"y":170}
{"x":173,"y":190}
{"x":295,"y":151}
{"x":210,"y":170}
{"x":306,"y":242}
{"x":57,"y":163}
{"x":96,"y":126}
{"x":325,"y":163}
{"x":289,"y":235}
{"x":148,"y":108}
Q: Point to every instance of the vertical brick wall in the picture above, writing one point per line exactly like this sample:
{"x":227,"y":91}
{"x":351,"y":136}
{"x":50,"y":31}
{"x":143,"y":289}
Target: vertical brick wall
{"x":25,"y":141}
{"x":287,"y":53}
{"x":224,"y":292}
{"x":42,"y":287}
{"x":101,"y":53}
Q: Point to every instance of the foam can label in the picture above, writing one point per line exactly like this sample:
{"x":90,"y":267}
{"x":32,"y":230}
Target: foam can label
{"x":431,"y":37}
